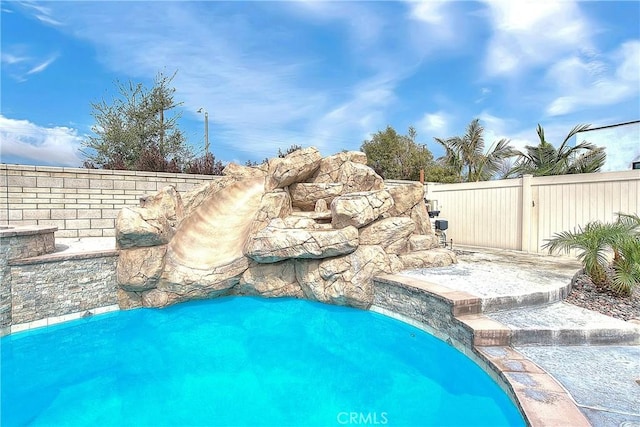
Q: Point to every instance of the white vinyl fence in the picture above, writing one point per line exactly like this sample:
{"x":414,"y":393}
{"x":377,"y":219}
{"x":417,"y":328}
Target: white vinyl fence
{"x":522,"y":213}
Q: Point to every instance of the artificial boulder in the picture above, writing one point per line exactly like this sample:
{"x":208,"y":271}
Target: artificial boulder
{"x":275,"y":243}
{"x":167,"y":201}
{"x":305,"y":195}
{"x":432,"y":258}
{"x":332,"y":168}
{"x":423,"y":242}
{"x":185,"y":281}
{"x":358,"y":177}
{"x":155,"y":298}
{"x":240,"y":171}
{"x":398,"y":247}
{"x":301,"y":226}
{"x":140,"y":227}
{"x":359,"y":209}
{"x":295,"y":167}
{"x":420,"y":217}
{"x":386,"y":231}
{"x":128,"y":300}
{"x":139,"y":269}
{"x":275,"y":204}
{"x":405,"y":197}
{"x":270,"y":280}
{"x":345,"y":280}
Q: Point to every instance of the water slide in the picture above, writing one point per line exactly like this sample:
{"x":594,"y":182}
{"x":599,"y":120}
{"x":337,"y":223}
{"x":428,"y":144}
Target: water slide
{"x":213,"y":235}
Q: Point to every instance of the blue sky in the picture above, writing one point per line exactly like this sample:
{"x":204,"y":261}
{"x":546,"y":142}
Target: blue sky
{"x":273,"y":74}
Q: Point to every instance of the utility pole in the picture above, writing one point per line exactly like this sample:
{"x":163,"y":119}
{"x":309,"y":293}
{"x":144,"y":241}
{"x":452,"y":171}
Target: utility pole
{"x":206,"y":130}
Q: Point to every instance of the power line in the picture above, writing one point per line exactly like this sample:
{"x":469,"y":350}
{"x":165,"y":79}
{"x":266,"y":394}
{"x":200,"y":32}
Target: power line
{"x":610,"y":126}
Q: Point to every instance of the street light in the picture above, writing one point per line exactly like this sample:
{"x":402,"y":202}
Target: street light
{"x":206,"y":129}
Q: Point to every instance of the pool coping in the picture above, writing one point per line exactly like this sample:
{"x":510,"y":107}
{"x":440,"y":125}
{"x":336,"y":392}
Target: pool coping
{"x":26,"y":230}
{"x":64,"y":256}
{"x":542,"y":400}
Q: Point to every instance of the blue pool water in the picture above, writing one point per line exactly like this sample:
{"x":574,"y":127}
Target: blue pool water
{"x":243,"y":361}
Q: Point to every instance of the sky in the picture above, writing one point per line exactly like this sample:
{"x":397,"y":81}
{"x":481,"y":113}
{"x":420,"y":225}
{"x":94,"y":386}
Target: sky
{"x":323,"y":74}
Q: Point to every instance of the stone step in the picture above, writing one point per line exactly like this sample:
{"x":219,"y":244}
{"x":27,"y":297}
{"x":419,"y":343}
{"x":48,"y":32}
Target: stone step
{"x":502,"y":284}
{"x":552,"y":324}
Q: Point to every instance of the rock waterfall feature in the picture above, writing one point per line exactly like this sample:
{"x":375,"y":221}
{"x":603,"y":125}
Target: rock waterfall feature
{"x":301,"y":226}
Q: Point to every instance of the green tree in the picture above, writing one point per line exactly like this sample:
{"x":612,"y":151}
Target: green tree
{"x":138,"y":130}
{"x":437,"y":172}
{"x":395,"y":156}
{"x":466,"y":155}
{"x":544,"y":159}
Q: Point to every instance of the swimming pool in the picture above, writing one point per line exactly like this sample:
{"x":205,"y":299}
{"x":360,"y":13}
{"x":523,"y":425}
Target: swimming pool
{"x":243,"y":361}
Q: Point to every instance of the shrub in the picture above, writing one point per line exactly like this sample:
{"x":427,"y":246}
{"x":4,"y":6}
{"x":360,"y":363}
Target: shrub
{"x":596,"y":241}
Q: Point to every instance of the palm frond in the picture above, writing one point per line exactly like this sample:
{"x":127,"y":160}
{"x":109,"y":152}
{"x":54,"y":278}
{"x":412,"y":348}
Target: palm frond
{"x":589,"y":162}
{"x":592,"y":242}
{"x":540,"y":131}
{"x":627,"y":268}
{"x":630,"y":220}
{"x":572,"y":132}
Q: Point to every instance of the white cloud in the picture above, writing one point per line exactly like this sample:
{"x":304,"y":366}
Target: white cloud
{"x":23,"y":141}
{"x":595,"y":81}
{"x":484,"y":94}
{"x":527,"y":34}
{"x":19,"y":61}
{"x":42,"y":66}
{"x":362,"y":112}
{"x":10,"y":59}
{"x":497,"y":128}
{"x":40,"y":12}
{"x":434,"y":125}
{"x":432,"y":12}
{"x":439,"y":25}
{"x":362,"y":26}
{"x":259,"y":98}
{"x":48,"y":20}
{"x":629,"y":61}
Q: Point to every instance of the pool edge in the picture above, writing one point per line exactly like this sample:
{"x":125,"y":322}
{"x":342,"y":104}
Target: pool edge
{"x":541,"y":399}
{"x":50,"y":321}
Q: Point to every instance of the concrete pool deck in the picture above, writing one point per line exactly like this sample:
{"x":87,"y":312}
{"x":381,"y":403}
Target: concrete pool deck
{"x":515,"y":301}
{"x":594,"y":357}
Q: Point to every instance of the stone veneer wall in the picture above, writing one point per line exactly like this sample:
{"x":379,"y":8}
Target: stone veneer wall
{"x":80,"y":202}
{"x":421,"y":306}
{"x":59,"y":284}
{"x":19,"y":244}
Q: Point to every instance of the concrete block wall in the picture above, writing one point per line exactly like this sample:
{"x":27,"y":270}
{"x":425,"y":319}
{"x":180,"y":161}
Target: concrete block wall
{"x":80,"y":202}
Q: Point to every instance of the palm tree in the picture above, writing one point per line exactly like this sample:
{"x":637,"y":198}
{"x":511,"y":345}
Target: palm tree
{"x":468,"y":152}
{"x":596,"y":241}
{"x":627,"y":267}
{"x":544,"y":159}
{"x":451,"y":159}
{"x":626,"y":261}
